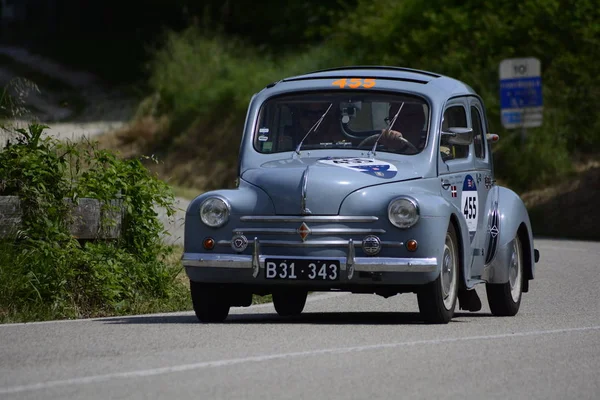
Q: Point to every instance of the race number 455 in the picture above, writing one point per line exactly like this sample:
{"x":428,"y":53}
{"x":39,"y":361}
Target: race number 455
{"x":469,"y":201}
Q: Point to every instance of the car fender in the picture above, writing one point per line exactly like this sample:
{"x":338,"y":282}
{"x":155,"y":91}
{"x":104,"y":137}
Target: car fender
{"x":433,"y":207}
{"x":511,"y":219}
{"x":247,"y":199}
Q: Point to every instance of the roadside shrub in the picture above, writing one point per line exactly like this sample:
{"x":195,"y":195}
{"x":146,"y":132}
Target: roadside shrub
{"x":542,"y":159}
{"x":44,"y":271}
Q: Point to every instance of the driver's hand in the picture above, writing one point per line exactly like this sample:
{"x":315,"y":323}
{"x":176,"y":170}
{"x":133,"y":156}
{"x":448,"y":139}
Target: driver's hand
{"x":390,"y":138}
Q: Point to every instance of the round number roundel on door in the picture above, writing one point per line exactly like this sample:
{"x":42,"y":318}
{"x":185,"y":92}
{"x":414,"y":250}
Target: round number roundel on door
{"x":470,"y":204}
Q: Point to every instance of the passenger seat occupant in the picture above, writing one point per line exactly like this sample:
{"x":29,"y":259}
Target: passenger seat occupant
{"x":304,"y":117}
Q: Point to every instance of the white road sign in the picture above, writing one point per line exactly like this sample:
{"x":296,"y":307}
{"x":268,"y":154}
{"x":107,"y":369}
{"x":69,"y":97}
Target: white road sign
{"x":521,"y":103}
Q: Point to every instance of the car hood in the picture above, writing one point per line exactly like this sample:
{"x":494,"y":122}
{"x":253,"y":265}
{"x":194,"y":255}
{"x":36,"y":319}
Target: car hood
{"x":318,"y":186}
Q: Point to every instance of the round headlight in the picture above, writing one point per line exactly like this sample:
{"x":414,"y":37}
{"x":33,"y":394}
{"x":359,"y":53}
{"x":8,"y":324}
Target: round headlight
{"x":214,"y":212}
{"x":403,"y":212}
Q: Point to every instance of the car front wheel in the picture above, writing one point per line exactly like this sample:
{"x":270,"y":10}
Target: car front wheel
{"x":505,"y":298}
{"x":290,"y":302}
{"x":211,"y":303}
{"x":437,"y":299}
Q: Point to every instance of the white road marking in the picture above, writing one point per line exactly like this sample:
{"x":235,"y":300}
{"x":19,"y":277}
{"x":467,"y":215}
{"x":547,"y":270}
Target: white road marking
{"x":237,"y":361}
{"x":234,"y":311}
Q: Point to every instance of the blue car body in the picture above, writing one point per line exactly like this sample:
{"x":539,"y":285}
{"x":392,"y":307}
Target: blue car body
{"x":328,"y":204}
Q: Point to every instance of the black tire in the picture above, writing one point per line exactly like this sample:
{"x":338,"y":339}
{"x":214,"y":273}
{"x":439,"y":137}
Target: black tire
{"x":211,"y":303}
{"x":290,"y":302}
{"x":437,"y":299}
{"x":505,"y":298}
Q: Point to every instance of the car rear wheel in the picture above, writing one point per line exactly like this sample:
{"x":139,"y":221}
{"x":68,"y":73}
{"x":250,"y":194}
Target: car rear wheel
{"x":211,"y":303}
{"x":289,"y":302}
{"x":505,"y":298}
{"x":437,"y":299}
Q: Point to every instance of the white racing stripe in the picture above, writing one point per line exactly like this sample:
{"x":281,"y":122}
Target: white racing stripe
{"x":245,"y":360}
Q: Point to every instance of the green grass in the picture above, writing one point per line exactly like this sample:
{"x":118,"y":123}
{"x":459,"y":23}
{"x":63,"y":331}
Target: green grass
{"x":256,"y":299}
{"x":25,"y":296}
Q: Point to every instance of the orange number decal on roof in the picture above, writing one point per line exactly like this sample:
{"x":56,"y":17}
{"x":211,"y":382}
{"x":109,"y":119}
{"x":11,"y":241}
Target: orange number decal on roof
{"x":368,"y":83}
{"x":355,"y":83}
{"x":340,"y":82}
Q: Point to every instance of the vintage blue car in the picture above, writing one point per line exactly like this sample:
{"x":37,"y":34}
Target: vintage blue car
{"x":365,"y":180}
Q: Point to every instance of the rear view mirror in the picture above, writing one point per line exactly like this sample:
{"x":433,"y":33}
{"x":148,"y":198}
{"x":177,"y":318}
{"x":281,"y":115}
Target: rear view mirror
{"x":348,"y":110}
{"x":459,"y":136}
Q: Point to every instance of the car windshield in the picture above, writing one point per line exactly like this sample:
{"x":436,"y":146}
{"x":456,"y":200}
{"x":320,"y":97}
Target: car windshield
{"x":340,"y":120}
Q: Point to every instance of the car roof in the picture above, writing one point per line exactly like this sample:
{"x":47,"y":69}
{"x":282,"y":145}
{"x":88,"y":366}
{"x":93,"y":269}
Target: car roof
{"x":451,"y":86}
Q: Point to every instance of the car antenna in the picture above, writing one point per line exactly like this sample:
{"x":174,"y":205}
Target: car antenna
{"x":390,"y":125}
{"x":313,"y":128}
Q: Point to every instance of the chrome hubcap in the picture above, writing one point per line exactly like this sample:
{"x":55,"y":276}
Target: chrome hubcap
{"x":449,"y":272}
{"x":515,"y":271}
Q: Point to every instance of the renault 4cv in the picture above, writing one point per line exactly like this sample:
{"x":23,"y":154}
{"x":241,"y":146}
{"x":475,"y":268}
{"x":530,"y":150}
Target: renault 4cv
{"x":365,"y":180}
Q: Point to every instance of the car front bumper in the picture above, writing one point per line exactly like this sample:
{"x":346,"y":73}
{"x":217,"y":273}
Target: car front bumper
{"x":242,"y":268}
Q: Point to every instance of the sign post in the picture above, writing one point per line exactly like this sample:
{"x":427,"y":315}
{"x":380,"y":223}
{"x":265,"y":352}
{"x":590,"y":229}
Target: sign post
{"x":521,"y":103}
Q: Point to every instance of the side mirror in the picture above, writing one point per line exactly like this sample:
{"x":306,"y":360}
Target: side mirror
{"x":459,"y":136}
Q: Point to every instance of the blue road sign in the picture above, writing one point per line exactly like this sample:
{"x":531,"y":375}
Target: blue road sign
{"x":521,"y":92}
{"x":521,"y":104}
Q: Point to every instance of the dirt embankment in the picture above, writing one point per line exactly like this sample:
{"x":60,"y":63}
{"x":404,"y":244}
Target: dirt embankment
{"x":570,"y":209}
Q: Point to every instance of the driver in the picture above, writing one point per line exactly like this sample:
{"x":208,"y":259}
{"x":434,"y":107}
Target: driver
{"x":409,"y":137}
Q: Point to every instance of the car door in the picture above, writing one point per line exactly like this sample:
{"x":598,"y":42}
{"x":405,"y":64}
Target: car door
{"x":483,"y":179}
{"x":459,"y":177}
{"x":484,"y":164}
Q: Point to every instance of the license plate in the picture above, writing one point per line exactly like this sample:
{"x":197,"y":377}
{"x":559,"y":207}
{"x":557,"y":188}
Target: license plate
{"x":297,"y":269}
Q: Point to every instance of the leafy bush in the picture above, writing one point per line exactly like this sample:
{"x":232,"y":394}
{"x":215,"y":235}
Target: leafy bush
{"x":44,"y":271}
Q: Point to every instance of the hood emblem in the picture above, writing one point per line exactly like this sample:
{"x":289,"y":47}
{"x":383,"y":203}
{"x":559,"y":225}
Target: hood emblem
{"x":304,"y":231}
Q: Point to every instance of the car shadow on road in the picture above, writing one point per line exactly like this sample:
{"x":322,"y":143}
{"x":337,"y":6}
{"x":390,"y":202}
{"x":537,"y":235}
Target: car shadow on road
{"x":320,"y":318}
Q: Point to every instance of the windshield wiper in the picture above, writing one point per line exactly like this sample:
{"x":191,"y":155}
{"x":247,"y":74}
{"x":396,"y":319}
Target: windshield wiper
{"x":313,"y":128}
{"x":390,"y":125}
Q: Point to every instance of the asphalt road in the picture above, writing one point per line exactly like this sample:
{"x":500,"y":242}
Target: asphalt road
{"x":342,"y":347}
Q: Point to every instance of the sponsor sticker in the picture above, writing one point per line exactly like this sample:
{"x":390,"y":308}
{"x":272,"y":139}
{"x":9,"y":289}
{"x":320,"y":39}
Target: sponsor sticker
{"x":263,"y":138}
{"x":488,"y":182}
{"x":380,"y":169}
{"x":263,"y":130}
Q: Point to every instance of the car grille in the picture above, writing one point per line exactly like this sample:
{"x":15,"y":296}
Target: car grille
{"x":308,"y":231}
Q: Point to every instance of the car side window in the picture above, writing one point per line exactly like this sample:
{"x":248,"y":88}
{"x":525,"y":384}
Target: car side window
{"x":477,"y":133}
{"x":454,"y":117}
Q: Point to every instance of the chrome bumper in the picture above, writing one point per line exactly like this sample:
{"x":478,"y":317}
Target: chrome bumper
{"x":350,"y":263}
